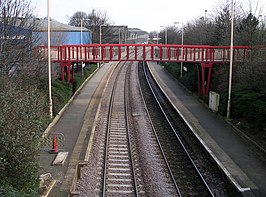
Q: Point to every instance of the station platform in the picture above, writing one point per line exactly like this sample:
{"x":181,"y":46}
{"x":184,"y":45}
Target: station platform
{"x":245,"y":168}
{"x":74,"y":122}
{"x":243,"y":163}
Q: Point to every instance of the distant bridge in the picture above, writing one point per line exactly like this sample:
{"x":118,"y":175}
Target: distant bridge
{"x":205,"y":55}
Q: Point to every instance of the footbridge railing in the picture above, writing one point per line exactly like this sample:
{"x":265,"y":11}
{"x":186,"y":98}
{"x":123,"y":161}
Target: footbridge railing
{"x":69,"y":55}
{"x":146,"y":52}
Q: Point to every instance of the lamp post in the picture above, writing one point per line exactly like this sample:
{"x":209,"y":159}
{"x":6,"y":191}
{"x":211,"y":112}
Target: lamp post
{"x":231,"y":63}
{"x":125,"y":34}
{"x":101,"y":41}
{"x":119,"y":35}
{"x":100,"y":34}
{"x":261,"y":19}
{"x":49,"y":60}
{"x":81,"y":39}
{"x":182,"y":43}
{"x":136,"y":37}
{"x":81,"y":36}
{"x":81,"y":29}
{"x":165,"y":34}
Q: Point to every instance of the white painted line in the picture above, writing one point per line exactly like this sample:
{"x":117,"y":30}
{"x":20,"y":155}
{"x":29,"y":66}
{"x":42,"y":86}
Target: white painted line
{"x":120,"y":180}
{"x":118,"y":145}
{"x":119,"y":191}
{"x":119,"y":174}
{"x":88,"y":151}
{"x":119,"y":169}
{"x":119,"y":164}
{"x":119,"y":156}
{"x":50,"y":187}
{"x":118,"y":139}
{"x":119,"y":160}
{"x":118,"y":149}
{"x":119,"y":185}
{"x":228,"y":174}
{"x":118,"y":152}
{"x":118,"y":135}
{"x":61,"y":112}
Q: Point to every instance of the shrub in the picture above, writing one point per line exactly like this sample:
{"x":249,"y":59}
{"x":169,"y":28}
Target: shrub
{"x":79,"y":78}
{"x":22,"y":121}
{"x":250,"y":104}
{"x":88,"y":70}
{"x":8,"y":191}
{"x":61,"y":93}
{"x":190,"y":78}
{"x":173,"y":68}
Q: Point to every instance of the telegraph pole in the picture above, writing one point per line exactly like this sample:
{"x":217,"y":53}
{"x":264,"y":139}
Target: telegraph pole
{"x":49,"y":61}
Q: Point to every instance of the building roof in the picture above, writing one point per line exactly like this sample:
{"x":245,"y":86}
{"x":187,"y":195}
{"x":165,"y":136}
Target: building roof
{"x":57,"y":26}
{"x":137,"y":31}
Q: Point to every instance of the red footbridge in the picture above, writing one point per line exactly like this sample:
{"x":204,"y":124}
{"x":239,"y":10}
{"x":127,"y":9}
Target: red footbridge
{"x":204,"y":55}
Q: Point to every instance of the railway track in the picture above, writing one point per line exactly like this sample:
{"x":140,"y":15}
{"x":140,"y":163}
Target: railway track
{"x":158,"y":144}
{"x":188,"y":179}
{"x":118,"y":171}
{"x":132,"y":158}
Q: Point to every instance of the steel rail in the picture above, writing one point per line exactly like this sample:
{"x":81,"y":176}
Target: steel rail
{"x":107,"y":134}
{"x":177,"y":137}
{"x":110,"y":111}
{"x":128,"y":131}
{"x":158,"y":142}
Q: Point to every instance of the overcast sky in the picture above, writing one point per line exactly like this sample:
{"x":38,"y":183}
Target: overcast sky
{"x":147,"y":15}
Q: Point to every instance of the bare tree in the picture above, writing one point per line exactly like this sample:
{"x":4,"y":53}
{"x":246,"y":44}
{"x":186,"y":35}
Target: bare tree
{"x":16,"y":26}
{"x":93,"y":21}
{"x":77,"y":17}
{"x":173,"y":35}
{"x":248,"y":30}
{"x":23,"y":105}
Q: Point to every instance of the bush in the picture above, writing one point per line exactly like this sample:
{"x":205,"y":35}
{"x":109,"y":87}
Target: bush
{"x":223,"y":103}
{"x":23,"y":118}
{"x":173,"y":68}
{"x":22,"y":122}
{"x":79,"y":78}
{"x":190,"y":78}
{"x":8,"y":191}
{"x":250,"y":104}
{"x":89,"y":69}
{"x":248,"y":107}
{"x":61,"y":93}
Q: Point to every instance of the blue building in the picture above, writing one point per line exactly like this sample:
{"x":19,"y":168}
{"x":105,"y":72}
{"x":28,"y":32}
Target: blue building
{"x":15,"y":42}
{"x":14,"y":36}
{"x":61,"y":34}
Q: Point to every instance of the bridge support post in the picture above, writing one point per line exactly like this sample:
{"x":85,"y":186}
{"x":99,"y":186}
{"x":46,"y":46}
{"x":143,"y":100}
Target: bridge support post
{"x":152,"y":53}
{"x":119,"y":52}
{"x":144,"y":53}
{"x":203,"y":80}
{"x":127,"y":49}
{"x":65,"y":69}
{"x":62,"y":69}
{"x":111,"y":52}
{"x":68,"y":67}
{"x":72,"y":72}
{"x":136,"y":52}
